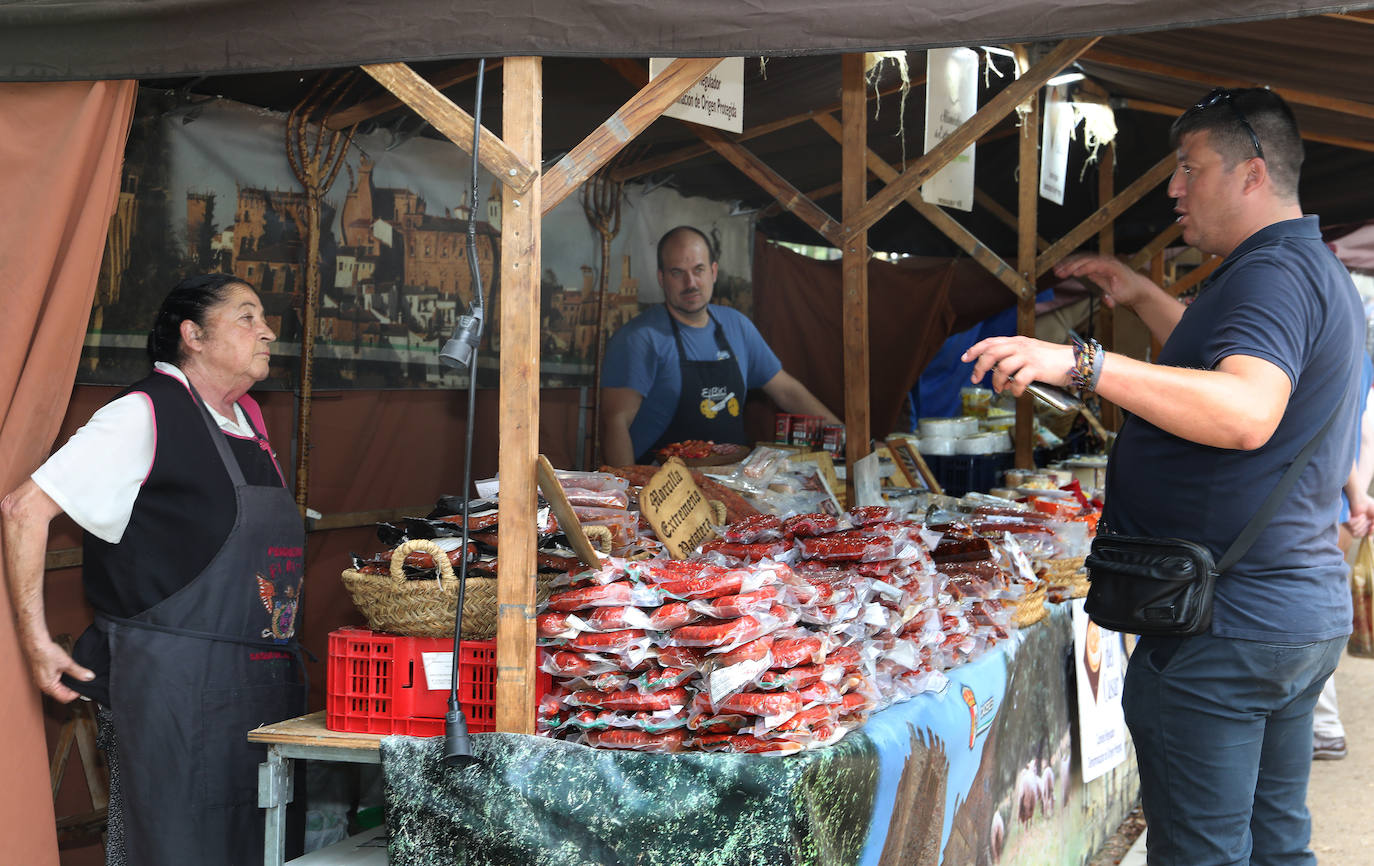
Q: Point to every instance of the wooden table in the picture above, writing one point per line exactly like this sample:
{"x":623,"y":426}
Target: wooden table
{"x":302,"y":737}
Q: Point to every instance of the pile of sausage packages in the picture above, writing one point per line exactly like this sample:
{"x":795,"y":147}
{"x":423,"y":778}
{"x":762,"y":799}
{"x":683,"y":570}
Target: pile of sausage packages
{"x":786,"y":632}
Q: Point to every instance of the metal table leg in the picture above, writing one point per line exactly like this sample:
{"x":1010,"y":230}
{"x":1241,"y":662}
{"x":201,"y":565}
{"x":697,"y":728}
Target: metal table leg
{"x":275,"y":783}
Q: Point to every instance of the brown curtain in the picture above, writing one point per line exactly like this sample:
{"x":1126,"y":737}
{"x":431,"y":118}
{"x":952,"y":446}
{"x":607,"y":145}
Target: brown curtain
{"x":912,"y":307}
{"x":61,"y":148}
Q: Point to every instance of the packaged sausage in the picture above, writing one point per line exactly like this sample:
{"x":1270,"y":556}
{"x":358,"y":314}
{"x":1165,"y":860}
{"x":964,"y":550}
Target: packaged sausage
{"x":744,"y":604}
{"x":629,"y":699}
{"x":619,"y":594}
{"x":754,"y":529}
{"x":640,"y":741}
{"x":747,"y":552}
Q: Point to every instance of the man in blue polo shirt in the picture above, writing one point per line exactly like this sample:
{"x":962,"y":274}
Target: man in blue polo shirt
{"x":1248,"y":374}
{"x":681,"y":371}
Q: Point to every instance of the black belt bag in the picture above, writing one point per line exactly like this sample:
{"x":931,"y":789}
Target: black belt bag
{"x":1162,"y":587}
{"x":1155,"y":586}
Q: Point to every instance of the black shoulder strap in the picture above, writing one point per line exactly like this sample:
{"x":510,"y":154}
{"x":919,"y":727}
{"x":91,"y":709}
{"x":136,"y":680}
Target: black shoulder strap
{"x":1266,"y":512}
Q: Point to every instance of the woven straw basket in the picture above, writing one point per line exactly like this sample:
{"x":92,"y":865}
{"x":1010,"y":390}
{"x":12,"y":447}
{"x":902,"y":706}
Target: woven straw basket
{"x":425,"y":608}
{"x":1030,"y":608}
{"x":1068,"y":573}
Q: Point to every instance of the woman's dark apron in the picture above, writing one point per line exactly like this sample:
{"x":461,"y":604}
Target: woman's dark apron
{"x":192,"y":675}
{"x":710,"y":404}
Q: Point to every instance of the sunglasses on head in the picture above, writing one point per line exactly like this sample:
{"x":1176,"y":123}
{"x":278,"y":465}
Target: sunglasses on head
{"x":1223,"y":96}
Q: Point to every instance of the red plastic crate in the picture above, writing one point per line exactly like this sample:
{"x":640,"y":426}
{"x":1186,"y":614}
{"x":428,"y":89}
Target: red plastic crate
{"x":376,"y":684}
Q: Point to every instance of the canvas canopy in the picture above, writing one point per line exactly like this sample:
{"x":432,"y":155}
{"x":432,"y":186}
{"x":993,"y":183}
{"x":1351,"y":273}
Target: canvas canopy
{"x":97,"y":39}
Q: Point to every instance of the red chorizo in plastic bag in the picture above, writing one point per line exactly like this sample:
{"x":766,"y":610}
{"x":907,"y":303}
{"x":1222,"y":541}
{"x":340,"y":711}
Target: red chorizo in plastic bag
{"x":618,"y":594}
{"x":568,"y":663}
{"x":790,"y":652}
{"x":864,"y":515}
{"x":689,"y":658}
{"x":630,"y":699}
{"x":554,"y":625}
{"x":609,"y":641}
{"x":791,"y":678}
{"x":746,"y":552}
{"x":672,"y":615}
{"x":751,"y":651}
{"x":848,"y":546}
{"x":744,"y":604}
{"x":818,"y":693}
{"x":771,"y":705}
{"x":810,"y":525}
{"x":754,"y":529}
{"x":640,"y":741}
{"x":613,"y":618}
{"x":719,"y":632}
{"x":744,"y":743}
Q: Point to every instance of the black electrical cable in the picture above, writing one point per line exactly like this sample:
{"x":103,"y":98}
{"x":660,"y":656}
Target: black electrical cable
{"x":457,"y":745}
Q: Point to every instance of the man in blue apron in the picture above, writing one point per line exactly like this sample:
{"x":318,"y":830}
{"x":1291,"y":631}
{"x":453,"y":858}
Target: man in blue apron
{"x":193,"y":564}
{"x":681,"y":371}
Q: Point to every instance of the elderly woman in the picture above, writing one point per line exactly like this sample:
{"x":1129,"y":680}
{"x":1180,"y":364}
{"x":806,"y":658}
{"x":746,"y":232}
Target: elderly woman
{"x":192,"y":563}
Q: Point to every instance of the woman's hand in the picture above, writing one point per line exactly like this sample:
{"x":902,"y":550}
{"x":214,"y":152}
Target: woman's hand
{"x":48,"y":662}
{"x":1015,"y":362}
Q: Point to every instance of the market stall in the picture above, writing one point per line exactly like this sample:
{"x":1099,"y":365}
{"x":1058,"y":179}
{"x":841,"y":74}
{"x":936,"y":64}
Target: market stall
{"x":521,"y":239}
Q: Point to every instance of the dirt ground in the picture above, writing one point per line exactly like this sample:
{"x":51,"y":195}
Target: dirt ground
{"x":1340,"y":792}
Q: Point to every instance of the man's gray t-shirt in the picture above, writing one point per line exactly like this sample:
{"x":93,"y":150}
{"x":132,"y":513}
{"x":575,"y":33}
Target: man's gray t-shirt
{"x":1283,"y":297}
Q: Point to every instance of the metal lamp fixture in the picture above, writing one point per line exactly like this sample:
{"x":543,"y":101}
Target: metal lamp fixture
{"x":461,"y":351}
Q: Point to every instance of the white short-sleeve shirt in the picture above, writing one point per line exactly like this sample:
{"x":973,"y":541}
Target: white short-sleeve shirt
{"x":96,"y":476}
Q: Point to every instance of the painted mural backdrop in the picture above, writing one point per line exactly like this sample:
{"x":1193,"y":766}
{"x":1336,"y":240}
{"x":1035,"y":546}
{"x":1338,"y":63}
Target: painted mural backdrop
{"x":207,"y":187}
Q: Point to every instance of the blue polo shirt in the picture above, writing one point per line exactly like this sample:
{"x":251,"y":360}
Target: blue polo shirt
{"x":643,"y":355}
{"x":1281,"y":296}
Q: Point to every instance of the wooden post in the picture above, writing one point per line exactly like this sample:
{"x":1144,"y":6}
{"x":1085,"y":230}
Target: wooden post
{"x":1106,"y":245}
{"x":854,"y":263}
{"x":522,"y":113}
{"x":1028,"y":194}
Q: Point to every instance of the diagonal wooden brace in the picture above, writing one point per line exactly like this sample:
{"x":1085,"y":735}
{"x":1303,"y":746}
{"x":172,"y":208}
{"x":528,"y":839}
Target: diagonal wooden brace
{"x":970,"y":131}
{"x":1105,"y":214}
{"x":950,"y":227}
{"x":621,"y":128}
{"x":453,"y":123}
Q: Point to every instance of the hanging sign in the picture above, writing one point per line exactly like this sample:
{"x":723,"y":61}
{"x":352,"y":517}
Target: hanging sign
{"x":951,"y":99}
{"x":717,"y":100}
{"x":1100,"y":661}
{"x":676,"y":509}
{"x":1054,"y":143}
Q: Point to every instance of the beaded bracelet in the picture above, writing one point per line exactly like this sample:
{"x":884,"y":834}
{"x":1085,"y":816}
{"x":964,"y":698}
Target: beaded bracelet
{"x":1087,"y":364}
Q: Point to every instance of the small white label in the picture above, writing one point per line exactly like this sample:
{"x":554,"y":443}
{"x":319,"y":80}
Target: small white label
{"x":438,"y":670}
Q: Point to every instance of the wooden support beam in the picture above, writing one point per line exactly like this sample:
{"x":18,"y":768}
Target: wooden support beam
{"x":1028,"y":201}
{"x":787,"y":195}
{"x":937,"y":217}
{"x":1105,"y":326}
{"x":1174,"y":111}
{"x":454,"y":123}
{"x":985,"y":119}
{"x":1106,"y":213}
{"x":854,"y":264}
{"x":682,"y":154}
{"x":1209,"y":80}
{"x":1003,"y":216}
{"x":377,"y":105}
{"x":1195,"y":276}
{"x":620,"y":128}
{"x":1155,"y":247}
{"x":519,"y":402}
